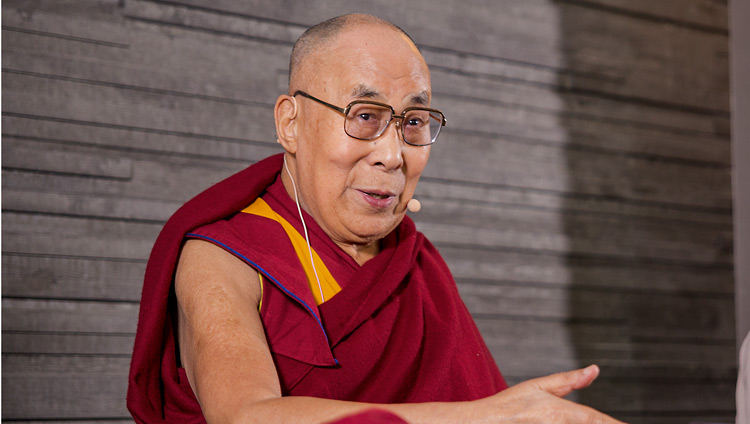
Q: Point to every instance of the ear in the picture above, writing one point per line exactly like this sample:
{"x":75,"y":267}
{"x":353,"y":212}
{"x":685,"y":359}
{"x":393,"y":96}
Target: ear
{"x":285,"y":115}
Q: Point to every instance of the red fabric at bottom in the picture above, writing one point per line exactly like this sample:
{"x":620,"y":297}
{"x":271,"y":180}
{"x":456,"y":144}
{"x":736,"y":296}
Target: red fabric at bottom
{"x":371,"y":416}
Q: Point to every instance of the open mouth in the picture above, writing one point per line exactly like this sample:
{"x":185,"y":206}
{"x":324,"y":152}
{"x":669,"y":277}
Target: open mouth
{"x":379,"y":199}
{"x":378,"y":196}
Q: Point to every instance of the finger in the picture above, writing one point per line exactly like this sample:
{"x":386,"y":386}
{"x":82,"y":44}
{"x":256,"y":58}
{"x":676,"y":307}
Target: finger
{"x":563,"y":383}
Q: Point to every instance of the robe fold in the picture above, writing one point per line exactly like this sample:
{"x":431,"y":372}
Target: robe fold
{"x":397,"y":331}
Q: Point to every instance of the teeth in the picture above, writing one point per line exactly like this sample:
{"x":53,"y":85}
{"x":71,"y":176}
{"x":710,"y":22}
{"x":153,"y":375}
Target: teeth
{"x":378,"y":196}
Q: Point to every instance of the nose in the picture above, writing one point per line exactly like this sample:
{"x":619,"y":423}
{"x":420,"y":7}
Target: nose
{"x":388,"y":148}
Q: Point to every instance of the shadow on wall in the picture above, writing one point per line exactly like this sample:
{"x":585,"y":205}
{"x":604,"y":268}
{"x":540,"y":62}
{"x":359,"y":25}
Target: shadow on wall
{"x":648,"y":214}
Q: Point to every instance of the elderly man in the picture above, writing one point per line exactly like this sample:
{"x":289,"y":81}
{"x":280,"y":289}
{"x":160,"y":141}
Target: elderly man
{"x":301,"y":291}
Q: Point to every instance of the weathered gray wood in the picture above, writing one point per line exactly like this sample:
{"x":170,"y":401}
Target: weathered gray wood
{"x":644,"y":313}
{"x":677,"y":251}
{"x":539,"y":98}
{"x":43,"y":386}
{"x":434,"y":190}
{"x":111,"y":105}
{"x":21,"y":343}
{"x":88,"y":205}
{"x":68,"y":316}
{"x":708,"y":14}
{"x":582,"y":231}
{"x":521,"y":356}
{"x":51,"y":235}
{"x":608,"y":135}
{"x":17,"y":157}
{"x":148,"y":183}
{"x":505,"y":162}
{"x":62,"y":277}
{"x":620,"y":60}
{"x":89,"y":22}
{"x":133,"y":140}
{"x":490,"y":88}
{"x":529,"y":267}
{"x":247,"y":26}
{"x":147,"y":68}
{"x":660,"y":397}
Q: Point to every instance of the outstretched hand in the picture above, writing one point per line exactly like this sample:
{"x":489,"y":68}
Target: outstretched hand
{"x":540,"y":400}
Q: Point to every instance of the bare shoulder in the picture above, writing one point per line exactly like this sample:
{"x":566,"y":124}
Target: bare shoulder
{"x":204,"y":268}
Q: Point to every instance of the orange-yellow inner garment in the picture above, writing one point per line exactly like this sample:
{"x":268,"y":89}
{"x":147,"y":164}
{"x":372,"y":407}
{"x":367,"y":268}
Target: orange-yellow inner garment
{"x":328,"y":284}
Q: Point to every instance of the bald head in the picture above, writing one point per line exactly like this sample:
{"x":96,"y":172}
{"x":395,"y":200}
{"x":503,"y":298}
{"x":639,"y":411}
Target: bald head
{"x":318,"y":38}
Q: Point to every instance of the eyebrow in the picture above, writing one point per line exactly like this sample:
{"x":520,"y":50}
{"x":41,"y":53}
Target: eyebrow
{"x":362,"y":91}
{"x":421,"y":99}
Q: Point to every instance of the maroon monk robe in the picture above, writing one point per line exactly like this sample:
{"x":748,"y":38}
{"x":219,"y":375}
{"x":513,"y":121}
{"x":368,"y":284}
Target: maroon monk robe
{"x":397,"y":332}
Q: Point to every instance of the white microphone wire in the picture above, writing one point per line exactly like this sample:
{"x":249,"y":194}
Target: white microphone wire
{"x":304,"y":227}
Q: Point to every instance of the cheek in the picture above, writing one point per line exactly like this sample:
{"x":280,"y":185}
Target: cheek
{"x":415,"y":160}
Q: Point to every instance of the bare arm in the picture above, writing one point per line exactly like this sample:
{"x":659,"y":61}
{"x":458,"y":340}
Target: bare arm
{"x":229,"y":366}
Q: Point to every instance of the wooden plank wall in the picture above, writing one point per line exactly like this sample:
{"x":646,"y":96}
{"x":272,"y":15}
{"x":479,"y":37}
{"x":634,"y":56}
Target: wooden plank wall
{"x":580,"y":194}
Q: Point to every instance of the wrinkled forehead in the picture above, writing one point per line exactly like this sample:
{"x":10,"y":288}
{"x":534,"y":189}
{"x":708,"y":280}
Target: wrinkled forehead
{"x":369,"y":55}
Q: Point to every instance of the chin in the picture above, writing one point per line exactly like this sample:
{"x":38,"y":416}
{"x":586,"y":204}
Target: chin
{"x":378,"y":231}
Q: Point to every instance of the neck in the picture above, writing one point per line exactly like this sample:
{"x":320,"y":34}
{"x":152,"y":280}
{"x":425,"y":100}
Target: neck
{"x":361,"y":253}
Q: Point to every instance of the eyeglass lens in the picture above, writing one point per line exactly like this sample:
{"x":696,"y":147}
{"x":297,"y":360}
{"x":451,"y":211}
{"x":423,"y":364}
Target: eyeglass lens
{"x":367,"y":121}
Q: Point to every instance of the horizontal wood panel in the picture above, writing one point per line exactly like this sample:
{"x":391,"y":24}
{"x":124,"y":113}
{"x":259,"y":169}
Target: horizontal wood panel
{"x":133,"y":140}
{"x":248,"y":26}
{"x":491,"y":238}
{"x":703,"y":13}
{"x":143,"y":64}
{"x":150,"y":183}
{"x":51,"y":235}
{"x":510,"y":163}
{"x":466,"y":114}
{"x":626,"y":58}
{"x":557,"y":346}
{"x":18,"y":157}
{"x":93,"y":23}
{"x":592,"y":108}
{"x":59,"y":277}
{"x":57,"y":316}
{"x":489,"y":88}
{"x":54,"y":387}
{"x":88,"y":205}
{"x":20,"y":343}
{"x":661,"y":397}
{"x":528,"y":267}
{"x":112,"y":105}
{"x":644,"y":314}
{"x":431,"y":189}
{"x":551,"y":230}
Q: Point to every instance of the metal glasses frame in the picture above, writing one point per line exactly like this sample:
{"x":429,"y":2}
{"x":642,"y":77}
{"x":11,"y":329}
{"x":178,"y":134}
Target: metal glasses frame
{"x":345,"y":112}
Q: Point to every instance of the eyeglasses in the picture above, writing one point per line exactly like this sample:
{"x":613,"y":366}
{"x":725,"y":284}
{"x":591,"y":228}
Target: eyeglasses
{"x":367,"y":120}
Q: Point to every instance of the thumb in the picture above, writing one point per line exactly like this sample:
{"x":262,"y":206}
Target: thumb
{"x":563,"y":383}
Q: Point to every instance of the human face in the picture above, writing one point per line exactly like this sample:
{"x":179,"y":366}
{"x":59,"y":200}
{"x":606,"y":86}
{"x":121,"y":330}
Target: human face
{"x":357,"y":190}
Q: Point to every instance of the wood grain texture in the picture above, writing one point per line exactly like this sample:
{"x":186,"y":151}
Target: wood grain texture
{"x":580,"y":193}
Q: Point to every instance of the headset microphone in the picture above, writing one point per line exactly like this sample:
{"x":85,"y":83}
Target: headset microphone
{"x":413,"y":205}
